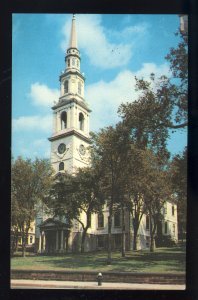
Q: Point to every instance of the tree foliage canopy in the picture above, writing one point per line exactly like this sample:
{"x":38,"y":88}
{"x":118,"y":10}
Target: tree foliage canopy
{"x":162,"y":103}
{"x":30,"y":182}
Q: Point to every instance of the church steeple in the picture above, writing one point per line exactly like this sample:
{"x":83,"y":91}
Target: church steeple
{"x":72,"y":58}
{"x":70,"y":139}
{"x":73,"y":37}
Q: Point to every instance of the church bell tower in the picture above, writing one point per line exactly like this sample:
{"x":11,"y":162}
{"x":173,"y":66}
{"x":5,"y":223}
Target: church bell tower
{"x":70,"y":139}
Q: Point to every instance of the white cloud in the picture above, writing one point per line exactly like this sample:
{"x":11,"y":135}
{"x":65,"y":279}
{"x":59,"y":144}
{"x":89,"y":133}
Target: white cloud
{"x":32,"y":148}
{"x":94,"y":39}
{"x":42,"y":95}
{"x":32,"y":123}
{"x":104,"y":98}
{"x":41,"y":146}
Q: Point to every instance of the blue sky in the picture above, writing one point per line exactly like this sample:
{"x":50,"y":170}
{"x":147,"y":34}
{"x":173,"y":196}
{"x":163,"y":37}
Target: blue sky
{"x":114,"y":49}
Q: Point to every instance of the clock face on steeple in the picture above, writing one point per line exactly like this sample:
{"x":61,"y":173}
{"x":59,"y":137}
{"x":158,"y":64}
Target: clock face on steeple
{"x":61,"y":148}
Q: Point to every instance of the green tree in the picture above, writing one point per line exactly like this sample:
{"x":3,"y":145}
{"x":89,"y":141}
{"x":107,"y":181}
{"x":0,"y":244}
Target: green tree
{"x":109,"y":155}
{"x":73,"y":196}
{"x":162,"y":104}
{"x":156,"y":190}
{"x":135,"y":180}
{"x":160,"y":108}
{"x":30,"y":182}
{"x":88,"y":197}
{"x":179,"y":185}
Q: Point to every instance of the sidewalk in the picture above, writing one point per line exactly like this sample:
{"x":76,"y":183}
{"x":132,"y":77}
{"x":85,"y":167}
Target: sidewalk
{"x":42,"y":284}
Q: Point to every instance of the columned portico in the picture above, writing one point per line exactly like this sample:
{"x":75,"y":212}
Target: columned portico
{"x":53,"y":236}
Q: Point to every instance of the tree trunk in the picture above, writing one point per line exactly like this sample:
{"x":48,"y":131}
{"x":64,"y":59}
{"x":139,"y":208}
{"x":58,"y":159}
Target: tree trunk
{"x":83,"y":240}
{"x":136,"y":223}
{"x":23,"y":244}
{"x":135,"y":240}
{"x":109,"y":239}
{"x":123,"y":233}
{"x":17,"y":242}
{"x":152,"y":243}
{"x":14,"y":242}
{"x":85,"y":231}
{"x":152,"y":235}
{"x":67,"y":241}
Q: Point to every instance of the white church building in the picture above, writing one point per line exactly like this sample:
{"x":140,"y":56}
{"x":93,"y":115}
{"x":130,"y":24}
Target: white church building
{"x":69,"y":151}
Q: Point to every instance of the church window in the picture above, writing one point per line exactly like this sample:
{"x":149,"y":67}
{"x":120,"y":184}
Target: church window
{"x":66,"y":86}
{"x":61,"y":166}
{"x":117,"y":219}
{"x":68,"y":62}
{"x":79,"y":87}
{"x":63,"y":120}
{"x":73,"y":61}
{"x":147,"y":223}
{"x":173,"y":210}
{"x":100,"y":220}
{"x":165,"y":227}
{"x":81,"y":121}
{"x":31,"y":239}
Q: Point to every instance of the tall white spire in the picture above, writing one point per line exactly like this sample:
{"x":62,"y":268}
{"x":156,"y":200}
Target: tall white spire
{"x":73,"y":36}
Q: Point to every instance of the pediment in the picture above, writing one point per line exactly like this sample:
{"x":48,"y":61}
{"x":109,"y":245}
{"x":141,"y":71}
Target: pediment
{"x":49,"y":223}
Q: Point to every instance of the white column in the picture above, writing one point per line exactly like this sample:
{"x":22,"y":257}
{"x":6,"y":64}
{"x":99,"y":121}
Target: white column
{"x":44,"y":241}
{"x":73,"y":116}
{"x":40,"y":243}
{"x":68,"y":118}
{"x":58,"y":124}
{"x":88,"y":124}
{"x":76,"y":118}
{"x":57,"y":240}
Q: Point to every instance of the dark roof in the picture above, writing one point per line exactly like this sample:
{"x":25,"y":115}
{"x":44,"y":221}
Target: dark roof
{"x":56,"y":223}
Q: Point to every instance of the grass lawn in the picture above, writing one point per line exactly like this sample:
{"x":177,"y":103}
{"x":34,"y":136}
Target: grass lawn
{"x":167,"y":260}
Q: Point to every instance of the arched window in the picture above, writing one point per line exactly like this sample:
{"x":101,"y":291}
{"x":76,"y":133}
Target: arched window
{"x":31,"y":239}
{"x":68,"y":62}
{"x":100,"y":220}
{"x":66,"y":86}
{"x":117,"y":219}
{"x":165,"y":228}
{"x":81,"y":121}
{"x":147,"y":223}
{"x":73,"y":61}
{"x":61,"y":166}
{"x":173,"y":210}
{"x":77,"y":63}
{"x":79,"y":87}
{"x":63,"y":120}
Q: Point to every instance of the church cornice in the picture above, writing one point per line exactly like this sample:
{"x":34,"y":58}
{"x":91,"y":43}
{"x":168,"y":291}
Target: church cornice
{"x":69,"y":133}
{"x":71,"y":101}
{"x":68,"y":72}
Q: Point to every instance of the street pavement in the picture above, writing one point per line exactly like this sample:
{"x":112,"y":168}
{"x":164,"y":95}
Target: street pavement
{"x":49,"y":284}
